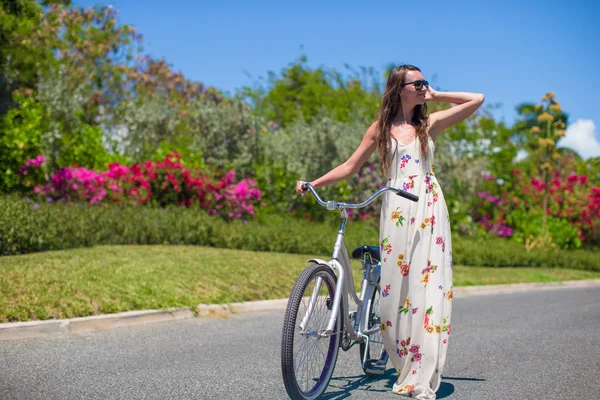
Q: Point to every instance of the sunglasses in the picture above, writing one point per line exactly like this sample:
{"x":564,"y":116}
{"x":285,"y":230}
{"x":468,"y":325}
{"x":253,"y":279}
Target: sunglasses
{"x":418,"y":84}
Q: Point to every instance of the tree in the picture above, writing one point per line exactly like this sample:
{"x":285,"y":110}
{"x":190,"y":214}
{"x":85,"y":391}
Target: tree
{"x":18,"y":22}
{"x":302,"y":92}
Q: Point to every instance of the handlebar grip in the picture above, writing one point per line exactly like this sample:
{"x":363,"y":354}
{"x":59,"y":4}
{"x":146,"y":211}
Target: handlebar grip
{"x":407,"y":195}
{"x":304,"y":187}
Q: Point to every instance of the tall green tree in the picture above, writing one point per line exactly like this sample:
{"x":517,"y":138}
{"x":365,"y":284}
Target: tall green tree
{"x":19,"y":58}
{"x":300,"y":91}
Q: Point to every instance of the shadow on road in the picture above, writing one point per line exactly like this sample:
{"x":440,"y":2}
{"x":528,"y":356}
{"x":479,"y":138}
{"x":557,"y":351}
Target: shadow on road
{"x":446,"y":389}
{"x":342,"y":387}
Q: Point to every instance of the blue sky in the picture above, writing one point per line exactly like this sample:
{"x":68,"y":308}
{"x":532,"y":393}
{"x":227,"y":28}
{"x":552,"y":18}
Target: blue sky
{"x":512,"y":51}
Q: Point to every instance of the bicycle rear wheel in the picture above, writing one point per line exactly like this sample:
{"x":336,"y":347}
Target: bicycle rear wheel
{"x":376,"y":355}
{"x":307,"y":359}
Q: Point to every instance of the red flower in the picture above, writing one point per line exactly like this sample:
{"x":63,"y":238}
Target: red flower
{"x":572,"y":178}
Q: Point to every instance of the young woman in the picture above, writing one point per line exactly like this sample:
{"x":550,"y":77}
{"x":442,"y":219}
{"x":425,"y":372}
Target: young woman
{"x":416,"y":247}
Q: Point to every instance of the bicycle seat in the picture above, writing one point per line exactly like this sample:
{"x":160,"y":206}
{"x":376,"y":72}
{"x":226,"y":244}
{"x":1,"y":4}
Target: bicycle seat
{"x":373,"y":250}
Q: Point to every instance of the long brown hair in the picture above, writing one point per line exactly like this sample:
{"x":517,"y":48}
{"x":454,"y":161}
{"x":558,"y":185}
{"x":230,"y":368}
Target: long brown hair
{"x":389,"y":108}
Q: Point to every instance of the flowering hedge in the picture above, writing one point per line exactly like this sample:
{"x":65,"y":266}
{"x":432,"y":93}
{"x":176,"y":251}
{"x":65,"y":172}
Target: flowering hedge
{"x":160,"y":183}
{"x":514,"y":207}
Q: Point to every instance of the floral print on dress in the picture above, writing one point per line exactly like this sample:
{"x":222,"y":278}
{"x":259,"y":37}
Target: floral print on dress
{"x":426,"y":271}
{"x":427,"y":314}
{"x":440,"y":241}
{"x":446,"y":326}
{"x":404,"y":160}
{"x":397,"y":217}
{"x":431,"y":187}
{"x":428,"y":221}
{"x":416,"y":354}
{"x":386,"y":291}
{"x":404,"y":268}
{"x":404,"y":307}
{"x":421,"y":240}
{"x":406,"y":389}
{"x":402,"y":350}
{"x":406,"y":186}
{"x":386,"y":246}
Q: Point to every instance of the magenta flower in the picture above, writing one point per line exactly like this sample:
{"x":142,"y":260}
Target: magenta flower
{"x":163,"y":181}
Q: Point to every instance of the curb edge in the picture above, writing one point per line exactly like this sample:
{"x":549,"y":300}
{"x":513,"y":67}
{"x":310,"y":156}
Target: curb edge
{"x":35,"y":329}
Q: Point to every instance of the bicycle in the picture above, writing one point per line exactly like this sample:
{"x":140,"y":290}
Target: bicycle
{"x":327,"y":324}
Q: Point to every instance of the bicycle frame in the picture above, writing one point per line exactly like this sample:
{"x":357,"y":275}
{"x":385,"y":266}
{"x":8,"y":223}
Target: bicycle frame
{"x":340,"y":264}
{"x":309,"y":351}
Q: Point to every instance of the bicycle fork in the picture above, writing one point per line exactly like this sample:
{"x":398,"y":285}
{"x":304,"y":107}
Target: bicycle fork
{"x":311,"y":304}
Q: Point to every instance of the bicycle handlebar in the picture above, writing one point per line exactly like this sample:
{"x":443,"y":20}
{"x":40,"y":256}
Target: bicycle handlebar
{"x":332,"y":205}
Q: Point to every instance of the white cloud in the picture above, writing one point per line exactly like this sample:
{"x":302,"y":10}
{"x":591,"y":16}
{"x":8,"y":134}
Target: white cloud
{"x":521,"y":155}
{"x":580,"y":136}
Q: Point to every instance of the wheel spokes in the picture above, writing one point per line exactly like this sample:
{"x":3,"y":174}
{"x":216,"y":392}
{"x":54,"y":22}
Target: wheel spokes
{"x":311,"y":349}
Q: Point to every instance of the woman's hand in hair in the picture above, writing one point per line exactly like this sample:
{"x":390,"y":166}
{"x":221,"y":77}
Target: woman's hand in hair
{"x":430,"y":94}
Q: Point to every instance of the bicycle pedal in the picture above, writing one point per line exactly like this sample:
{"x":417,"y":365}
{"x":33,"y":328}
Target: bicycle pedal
{"x":373,"y":367}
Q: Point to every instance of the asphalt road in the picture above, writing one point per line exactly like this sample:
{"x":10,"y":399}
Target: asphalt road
{"x":539,"y":345}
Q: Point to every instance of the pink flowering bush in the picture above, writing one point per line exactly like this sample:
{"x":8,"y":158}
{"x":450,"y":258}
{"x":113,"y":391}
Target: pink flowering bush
{"x":235,"y":200}
{"x":31,"y":173}
{"x":160,"y":183}
{"x":514,"y":208}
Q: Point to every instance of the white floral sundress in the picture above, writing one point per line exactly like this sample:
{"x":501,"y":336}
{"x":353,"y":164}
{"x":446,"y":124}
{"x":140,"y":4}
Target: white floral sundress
{"x":416,"y":281}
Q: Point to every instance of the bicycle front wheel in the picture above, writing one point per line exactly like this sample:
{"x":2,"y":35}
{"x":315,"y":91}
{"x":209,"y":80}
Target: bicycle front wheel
{"x":307,"y":358}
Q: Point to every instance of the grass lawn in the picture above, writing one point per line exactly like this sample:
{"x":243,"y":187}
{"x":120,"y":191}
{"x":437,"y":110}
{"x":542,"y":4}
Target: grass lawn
{"x":110,"y":279}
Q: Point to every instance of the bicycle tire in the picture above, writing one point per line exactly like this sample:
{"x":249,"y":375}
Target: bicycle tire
{"x":381,"y":355}
{"x":288,"y":367}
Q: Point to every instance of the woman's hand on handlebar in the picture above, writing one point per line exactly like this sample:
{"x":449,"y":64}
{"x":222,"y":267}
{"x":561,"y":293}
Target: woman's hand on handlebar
{"x":299,"y":190}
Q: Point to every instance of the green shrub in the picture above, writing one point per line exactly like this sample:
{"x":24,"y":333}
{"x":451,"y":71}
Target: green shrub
{"x":20,"y":139}
{"x":83,"y":147}
{"x":27,"y":227}
{"x":22,"y":132}
{"x":498,"y":252}
{"x":563,"y":234}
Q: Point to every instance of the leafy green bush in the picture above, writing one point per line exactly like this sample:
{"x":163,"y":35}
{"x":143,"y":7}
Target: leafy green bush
{"x":27,"y":227}
{"x":307,"y":150}
{"x":20,"y":139}
{"x":498,"y":252}
{"x":563,"y":234}
{"x":207,"y":133}
{"x":22,"y":132}
{"x":83,"y":147}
